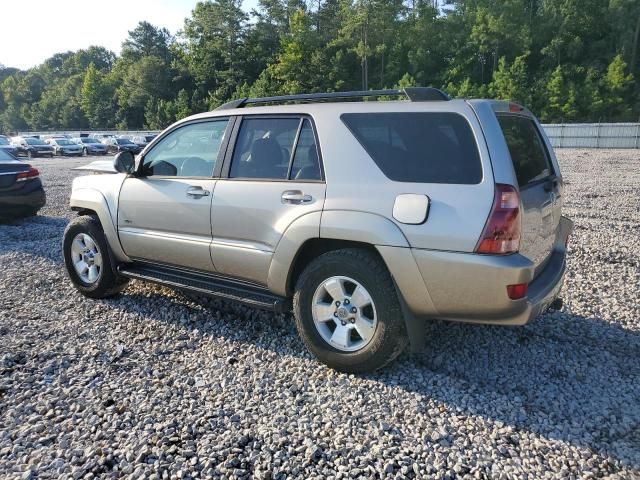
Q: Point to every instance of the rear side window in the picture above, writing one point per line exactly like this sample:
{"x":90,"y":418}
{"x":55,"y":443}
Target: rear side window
{"x":263,"y":148}
{"x":528,"y":153}
{"x":421,"y":147}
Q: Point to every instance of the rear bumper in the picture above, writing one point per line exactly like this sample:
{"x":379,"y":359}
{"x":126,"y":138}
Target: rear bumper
{"x":472,"y":288}
{"x":30,"y":197}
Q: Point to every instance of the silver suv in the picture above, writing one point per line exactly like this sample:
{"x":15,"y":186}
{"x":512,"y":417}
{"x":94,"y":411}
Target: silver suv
{"x":365,"y":218}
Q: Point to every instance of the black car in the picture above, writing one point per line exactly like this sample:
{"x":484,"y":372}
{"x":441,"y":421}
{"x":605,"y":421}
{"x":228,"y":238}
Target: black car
{"x":21,"y":192}
{"x":32,"y":147}
{"x":115,"y":145}
{"x":5,"y":146}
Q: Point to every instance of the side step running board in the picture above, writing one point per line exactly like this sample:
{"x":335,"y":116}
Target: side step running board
{"x":207,"y":284}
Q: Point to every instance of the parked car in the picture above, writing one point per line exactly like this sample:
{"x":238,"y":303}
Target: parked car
{"x":91,"y":146}
{"x":367,"y":218}
{"x":5,"y":146}
{"x":115,"y":145}
{"x":143,"y":140}
{"x":56,"y":135}
{"x":65,"y":146}
{"x":32,"y":147}
{"x":21,"y":192}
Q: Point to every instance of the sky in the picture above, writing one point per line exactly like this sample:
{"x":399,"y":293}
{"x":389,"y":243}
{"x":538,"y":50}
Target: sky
{"x":34,"y":30}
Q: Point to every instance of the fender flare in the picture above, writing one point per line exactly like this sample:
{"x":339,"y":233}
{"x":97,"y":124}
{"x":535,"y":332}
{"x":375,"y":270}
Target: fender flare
{"x":91,"y":199}
{"x":362,"y":227}
{"x":296,"y":234}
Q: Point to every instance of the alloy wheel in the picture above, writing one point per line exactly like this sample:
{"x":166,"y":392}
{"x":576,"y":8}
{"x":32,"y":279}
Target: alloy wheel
{"x":344,"y":314}
{"x":86,"y":258}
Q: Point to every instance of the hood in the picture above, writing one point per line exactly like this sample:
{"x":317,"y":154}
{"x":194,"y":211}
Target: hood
{"x":99,"y":166}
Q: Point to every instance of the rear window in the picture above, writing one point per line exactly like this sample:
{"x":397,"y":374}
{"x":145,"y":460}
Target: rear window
{"x":6,"y":156}
{"x":421,"y":147}
{"x":528,"y":152}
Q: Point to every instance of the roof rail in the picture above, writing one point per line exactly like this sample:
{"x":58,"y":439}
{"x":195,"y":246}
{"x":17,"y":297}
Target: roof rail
{"x":414,"y":94}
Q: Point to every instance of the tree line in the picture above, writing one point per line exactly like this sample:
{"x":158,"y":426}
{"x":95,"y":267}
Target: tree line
{"x":568,"y":60}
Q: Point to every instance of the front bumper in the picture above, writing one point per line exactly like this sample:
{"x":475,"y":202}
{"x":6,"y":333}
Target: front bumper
{"x":468,"y":287}
{"x":96,"y":150}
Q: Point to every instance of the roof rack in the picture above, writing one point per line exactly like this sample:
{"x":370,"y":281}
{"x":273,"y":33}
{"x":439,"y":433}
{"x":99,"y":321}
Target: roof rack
{"x":414,"y":94}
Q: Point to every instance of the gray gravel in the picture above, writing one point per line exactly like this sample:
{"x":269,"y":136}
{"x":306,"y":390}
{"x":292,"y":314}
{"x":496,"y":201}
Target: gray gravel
{"x":162,"y":385}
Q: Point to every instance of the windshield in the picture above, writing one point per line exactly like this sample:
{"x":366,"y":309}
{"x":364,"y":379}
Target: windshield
{"x":148,"y":138}
{"x":64,"y":141}
{"x":123,"y":141}
{"x":34,"y":141}
{"x":4,"y":141}
{"x":89,"y":140}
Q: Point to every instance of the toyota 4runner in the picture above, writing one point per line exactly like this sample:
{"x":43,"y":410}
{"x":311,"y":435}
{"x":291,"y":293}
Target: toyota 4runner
{"x":365,"y":217}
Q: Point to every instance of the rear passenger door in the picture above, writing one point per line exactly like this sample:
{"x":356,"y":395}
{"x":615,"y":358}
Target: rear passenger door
{"x":271,"y":177}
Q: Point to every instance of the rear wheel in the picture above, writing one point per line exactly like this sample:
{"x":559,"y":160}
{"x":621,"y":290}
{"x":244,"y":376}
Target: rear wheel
{"x":347,"y":311}
{"x":85,"y":152}
{"x":87,"y":259}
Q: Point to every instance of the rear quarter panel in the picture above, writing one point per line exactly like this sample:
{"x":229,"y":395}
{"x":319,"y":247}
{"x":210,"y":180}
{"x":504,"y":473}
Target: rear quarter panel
{"x":457,"y":213}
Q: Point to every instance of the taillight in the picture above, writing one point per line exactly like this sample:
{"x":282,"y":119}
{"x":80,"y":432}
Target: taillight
{"x":29,"y":174}
{"x":517,"y":291}
{"x":501,"y":234}
{"x":515,"y":108}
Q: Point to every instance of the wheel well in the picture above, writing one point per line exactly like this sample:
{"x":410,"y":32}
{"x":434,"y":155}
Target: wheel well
{"x":83,"y":211}
{"x":315,"y":247}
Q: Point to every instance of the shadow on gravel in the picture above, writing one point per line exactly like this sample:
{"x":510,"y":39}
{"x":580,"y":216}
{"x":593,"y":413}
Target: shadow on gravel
{"x":563,"y":377}
{"x":39,"y":235}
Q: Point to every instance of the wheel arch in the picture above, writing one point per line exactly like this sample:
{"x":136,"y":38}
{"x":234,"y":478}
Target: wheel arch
{"x":88,"y":201}
{"x":319,"y":232}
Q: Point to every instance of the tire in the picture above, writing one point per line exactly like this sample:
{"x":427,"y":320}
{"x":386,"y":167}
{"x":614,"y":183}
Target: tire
{"x":85,"y":152}
{"x":108,"y":282}
{"x":363,"y":269}
{"x":30,"y":154}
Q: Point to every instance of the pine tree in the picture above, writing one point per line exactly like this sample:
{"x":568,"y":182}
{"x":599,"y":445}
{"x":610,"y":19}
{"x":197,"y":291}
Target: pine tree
{"x":618,"y":85}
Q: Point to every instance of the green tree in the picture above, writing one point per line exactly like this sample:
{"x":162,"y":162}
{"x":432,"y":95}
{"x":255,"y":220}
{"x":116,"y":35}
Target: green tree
{"x":96,"y":99}
{"x":511,"y":82}
{"x":618,"y":84}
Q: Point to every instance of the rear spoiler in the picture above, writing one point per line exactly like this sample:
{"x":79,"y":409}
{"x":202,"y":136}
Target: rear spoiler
{"x":99,"y":166}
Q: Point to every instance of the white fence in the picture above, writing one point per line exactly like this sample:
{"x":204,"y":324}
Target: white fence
{"x":594,"y":135}
{"x":564,"y":135}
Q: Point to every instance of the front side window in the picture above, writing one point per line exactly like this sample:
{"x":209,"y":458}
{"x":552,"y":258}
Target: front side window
{"x":421,"y":147}
{"x":528,"y":153}
{"x":188,"y":151}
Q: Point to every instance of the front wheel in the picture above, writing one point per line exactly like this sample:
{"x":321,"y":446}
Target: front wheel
{"x":347,"y":311}
{"x":85,"y":152}
{"x":86,"y":257}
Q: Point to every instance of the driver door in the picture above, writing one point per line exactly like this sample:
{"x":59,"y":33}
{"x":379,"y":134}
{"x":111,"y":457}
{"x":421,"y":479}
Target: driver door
{"x":164,"y":213}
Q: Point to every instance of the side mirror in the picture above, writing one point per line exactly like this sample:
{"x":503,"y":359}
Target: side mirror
{"x":124,"y":162}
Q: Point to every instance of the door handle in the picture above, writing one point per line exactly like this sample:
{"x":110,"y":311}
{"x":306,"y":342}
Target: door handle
{"x":295,"y":197}
{"x":197,"y":192}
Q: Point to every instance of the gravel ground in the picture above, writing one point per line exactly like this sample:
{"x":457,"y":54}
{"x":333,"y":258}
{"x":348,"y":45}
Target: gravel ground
{"x":162,"y":385}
